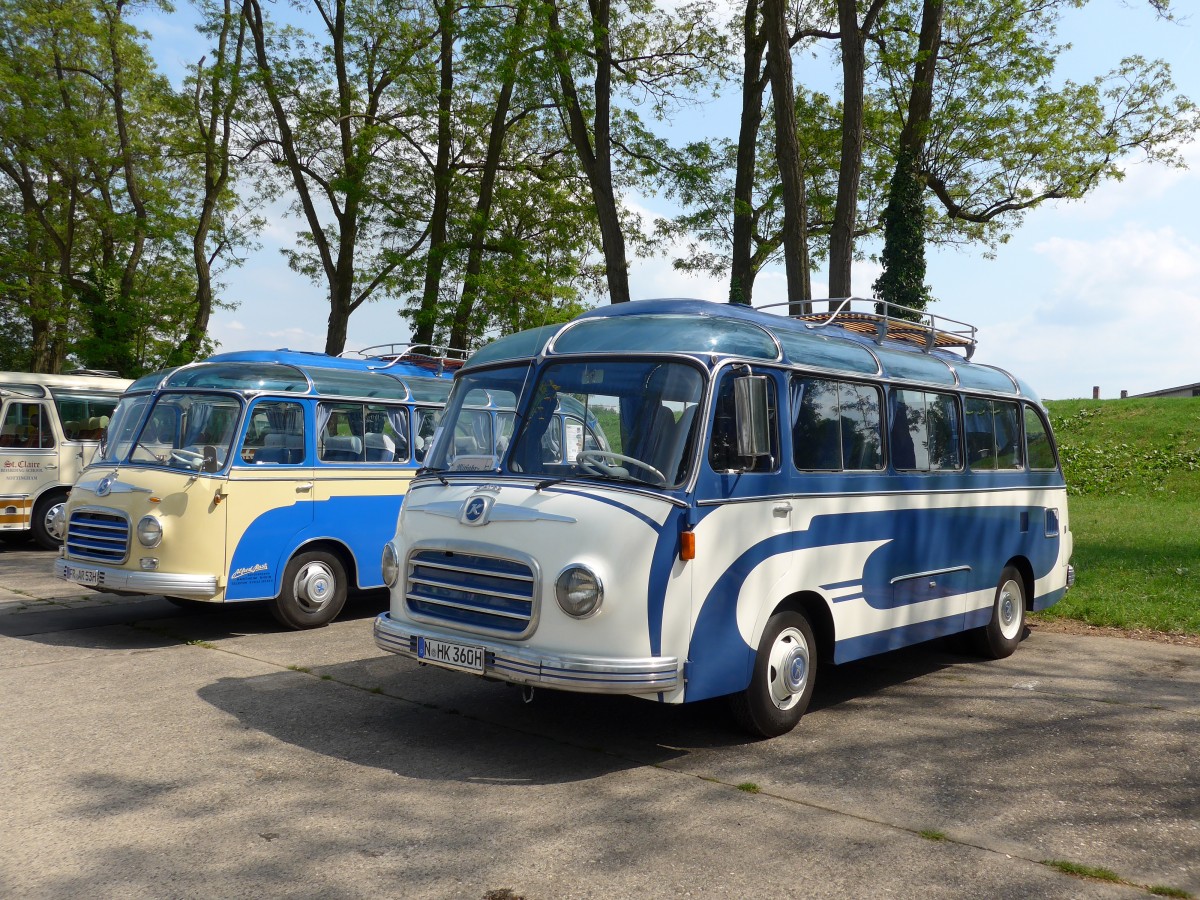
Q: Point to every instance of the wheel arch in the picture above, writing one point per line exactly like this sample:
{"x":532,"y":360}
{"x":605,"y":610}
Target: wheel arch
{"x":335,"y":548}
{"x":1025,"y":567}
{"x":820,"y":617}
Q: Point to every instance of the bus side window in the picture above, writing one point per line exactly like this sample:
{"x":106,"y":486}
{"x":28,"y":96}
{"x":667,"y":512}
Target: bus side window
{"x":25,"y":426}
{"x":993,"y":435}
{"x":1038,"y":447}
{"x":278,"y":438}
{"x":340,"y":432}
{"x":427,"y":422}
{"x":386,"y":438}
{"x":924,"y":432}
{"x":1006,"y":421}
{"x":723,"y":455}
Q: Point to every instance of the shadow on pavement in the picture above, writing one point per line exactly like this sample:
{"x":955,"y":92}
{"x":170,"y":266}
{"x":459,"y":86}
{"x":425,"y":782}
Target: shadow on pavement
{"x":73,"y":626}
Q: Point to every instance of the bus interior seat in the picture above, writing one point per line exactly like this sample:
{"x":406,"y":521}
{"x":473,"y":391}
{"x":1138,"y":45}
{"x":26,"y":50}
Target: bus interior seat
{"x":380,"y":447}
{"x":343,"y":448}
{"x":281,"y":447}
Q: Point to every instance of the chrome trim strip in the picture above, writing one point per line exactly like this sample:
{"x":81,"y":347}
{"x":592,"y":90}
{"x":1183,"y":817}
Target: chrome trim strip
{"x":586,"y":674}
{"x":724,"y":501}
{"x":930,"y":573}
{"x":190,"y":587}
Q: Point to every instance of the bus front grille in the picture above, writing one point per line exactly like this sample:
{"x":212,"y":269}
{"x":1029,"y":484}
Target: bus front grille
{"x":471,"y":591}
{"x":97,"y":536}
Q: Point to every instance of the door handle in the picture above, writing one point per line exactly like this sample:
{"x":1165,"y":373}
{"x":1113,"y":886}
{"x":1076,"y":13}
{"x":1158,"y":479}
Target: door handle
{"x":782,"y":509}
{"x":304,"y":486}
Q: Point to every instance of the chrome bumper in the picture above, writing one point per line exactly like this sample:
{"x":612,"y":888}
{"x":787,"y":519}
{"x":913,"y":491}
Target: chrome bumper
{"x":189,"y":587}
{"x":522,"y":665}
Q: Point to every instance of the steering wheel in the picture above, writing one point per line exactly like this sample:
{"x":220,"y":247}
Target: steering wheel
{"x":188,"y":457}
{"x":600,"y":462}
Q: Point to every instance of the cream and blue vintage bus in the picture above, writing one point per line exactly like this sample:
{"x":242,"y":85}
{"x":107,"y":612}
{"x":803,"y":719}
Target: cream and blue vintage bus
{"x":744,"y":496}
{"x":271,"y":476}
{"x":50,"y":427}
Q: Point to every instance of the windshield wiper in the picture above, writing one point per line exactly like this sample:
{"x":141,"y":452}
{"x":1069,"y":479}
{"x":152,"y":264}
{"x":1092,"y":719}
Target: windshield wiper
{"x":430,"y":470}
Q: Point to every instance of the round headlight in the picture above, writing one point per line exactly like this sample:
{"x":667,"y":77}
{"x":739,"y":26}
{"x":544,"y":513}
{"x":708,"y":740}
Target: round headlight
{"x":391,"y":564}
{"x":579,"y":591}
{"x":149,"y":531}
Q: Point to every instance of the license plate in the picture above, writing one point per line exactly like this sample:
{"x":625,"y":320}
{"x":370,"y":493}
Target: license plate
{"x":454,"y":656}
{"x":81,"y":576}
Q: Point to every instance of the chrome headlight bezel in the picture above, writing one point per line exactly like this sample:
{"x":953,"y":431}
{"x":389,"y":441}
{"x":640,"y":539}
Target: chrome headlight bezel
{"x":390,"y":564}
{"x":579,"y":591}
{"x":149,"y":531}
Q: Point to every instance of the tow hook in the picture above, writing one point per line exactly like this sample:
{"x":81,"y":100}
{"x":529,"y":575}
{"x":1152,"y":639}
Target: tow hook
{"x":526,"y":694}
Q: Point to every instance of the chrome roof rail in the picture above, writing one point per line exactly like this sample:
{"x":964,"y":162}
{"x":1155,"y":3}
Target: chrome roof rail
{"x":883,"y":320}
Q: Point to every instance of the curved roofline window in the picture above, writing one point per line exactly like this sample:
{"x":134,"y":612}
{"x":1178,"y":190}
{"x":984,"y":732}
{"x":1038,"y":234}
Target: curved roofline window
{"x":667,"y":334}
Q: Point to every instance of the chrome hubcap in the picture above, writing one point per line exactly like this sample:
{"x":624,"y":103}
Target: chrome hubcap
{"x":55,"y":520}
{"x":314,"y":586}
{"x":1009,"y":609}
{"x":787,"y":668}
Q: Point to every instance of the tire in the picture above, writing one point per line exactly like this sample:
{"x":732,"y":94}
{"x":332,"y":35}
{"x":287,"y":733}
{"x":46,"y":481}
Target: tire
{"x":781,"y":686}
{"x":48,"y":529}
{"x":1002,"y":634}
{"x":313,"y":591}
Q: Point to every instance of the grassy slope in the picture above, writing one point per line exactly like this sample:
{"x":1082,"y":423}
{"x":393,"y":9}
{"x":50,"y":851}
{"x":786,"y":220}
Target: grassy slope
{"x":1133,"y":468}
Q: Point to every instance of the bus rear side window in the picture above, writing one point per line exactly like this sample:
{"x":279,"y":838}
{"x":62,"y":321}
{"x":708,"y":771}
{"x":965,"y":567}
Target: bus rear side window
{"x":924,"y":435}
{"x":1038,"y":447}
{"x":835,"y":425}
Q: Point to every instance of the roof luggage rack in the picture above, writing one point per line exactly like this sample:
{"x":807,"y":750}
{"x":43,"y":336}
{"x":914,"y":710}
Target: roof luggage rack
{"x":881,"y":319}
{"x":427,"y":356}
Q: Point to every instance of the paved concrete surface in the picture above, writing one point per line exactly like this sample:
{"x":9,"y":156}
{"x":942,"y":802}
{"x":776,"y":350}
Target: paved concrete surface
{"x":152,"y":752}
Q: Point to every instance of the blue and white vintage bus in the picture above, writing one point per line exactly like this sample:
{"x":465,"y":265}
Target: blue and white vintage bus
{"x":270,"y":476}
{"x":752,"y":494}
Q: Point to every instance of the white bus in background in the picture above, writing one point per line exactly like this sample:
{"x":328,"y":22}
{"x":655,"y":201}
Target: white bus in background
{"x":50,"y":427}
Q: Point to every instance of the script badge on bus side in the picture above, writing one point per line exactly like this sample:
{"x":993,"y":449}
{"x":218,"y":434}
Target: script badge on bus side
{"x":452,"y":656}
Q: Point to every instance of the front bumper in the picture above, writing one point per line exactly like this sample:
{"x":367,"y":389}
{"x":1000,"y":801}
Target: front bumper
{"x":525,"y":665}
{"x":189,"y":587}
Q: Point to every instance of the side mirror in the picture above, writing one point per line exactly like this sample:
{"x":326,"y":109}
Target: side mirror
{"x":753,"y":423}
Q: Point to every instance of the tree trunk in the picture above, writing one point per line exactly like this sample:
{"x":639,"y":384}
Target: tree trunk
{"x":742,"y":271}
{"x":596,"y":159}
{"x":426,"y":317}
{"x":461,"y":329}
{"x":841,"y":235}
{"x":787,"y":154}
{"x":215,"y":132}
{"x":903,"y":278}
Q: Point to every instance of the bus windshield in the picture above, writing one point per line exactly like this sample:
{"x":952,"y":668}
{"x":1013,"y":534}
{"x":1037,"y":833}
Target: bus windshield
{"x":627,"y":420}
{"x":193,"y":432}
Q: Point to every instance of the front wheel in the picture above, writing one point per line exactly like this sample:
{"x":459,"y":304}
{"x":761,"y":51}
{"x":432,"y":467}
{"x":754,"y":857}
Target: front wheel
{"x":49,"y":520}
{"x":1002,"y":634}
{"x":313,"y":591}
{"x":781,"y":685}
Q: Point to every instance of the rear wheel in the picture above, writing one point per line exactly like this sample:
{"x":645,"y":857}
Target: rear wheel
{"x":49,"y":520}
{"x":1002,"y":635}
{"x":313,"y":591}
{"x":781,"y":685}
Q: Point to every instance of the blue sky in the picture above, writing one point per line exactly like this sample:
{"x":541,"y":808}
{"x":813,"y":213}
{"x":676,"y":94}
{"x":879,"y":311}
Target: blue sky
{"x":1104,"y":292}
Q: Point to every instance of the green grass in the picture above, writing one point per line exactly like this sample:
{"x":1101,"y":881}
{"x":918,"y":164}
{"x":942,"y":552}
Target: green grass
{"x":749,"y":787}
{"x":932,"y":834}
{"x":1081,"y":871}
{"x":1133,"y":475}
{"x":1161,"y":890}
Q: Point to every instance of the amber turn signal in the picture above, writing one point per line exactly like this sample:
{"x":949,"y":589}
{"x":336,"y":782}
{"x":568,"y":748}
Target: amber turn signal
{"x":687,"y":545}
